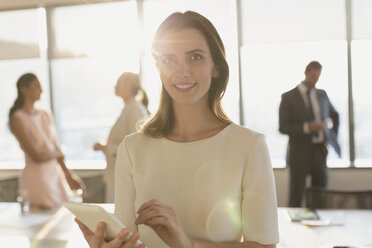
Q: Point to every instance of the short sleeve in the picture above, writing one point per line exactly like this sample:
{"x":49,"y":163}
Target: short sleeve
{"x":124,"y":189}
{"x":259,"y":206}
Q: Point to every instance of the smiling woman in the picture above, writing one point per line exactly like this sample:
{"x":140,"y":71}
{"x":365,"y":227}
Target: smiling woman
{"x":203,"y":180}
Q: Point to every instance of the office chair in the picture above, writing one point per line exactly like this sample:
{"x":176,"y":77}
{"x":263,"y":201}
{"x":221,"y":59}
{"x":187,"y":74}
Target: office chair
{"x":318,"y":197}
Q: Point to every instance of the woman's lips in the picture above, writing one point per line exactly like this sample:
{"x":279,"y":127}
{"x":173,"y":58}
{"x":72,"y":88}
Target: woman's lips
{"x":184,"y":87}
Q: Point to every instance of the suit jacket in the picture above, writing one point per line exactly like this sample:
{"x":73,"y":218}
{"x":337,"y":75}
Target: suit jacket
{"x":292,"y":115}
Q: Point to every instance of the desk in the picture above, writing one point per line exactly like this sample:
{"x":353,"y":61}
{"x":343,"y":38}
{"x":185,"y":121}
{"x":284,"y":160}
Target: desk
{"x":351,"y":227}
{"x":49,"y":229}
{"x":60,"y":231}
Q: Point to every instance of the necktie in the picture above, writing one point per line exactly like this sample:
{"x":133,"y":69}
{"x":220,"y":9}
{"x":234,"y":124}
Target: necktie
{"x":310,"y":107}
{"x":311,"y":110}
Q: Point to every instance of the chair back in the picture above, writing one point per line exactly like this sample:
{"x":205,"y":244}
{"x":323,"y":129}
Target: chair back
{"x":318,"y":197}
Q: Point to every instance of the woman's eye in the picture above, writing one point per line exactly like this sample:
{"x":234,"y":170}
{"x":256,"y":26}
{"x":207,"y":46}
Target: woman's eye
{"x":169,"y":61}
{"x":196,"y":57}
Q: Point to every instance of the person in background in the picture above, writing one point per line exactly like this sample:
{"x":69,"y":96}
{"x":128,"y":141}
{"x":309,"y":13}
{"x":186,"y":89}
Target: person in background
{"x":128,"y":88}
{"x":45,"y":181}
{"x":308,"y":117}
{"x":191,"y":177}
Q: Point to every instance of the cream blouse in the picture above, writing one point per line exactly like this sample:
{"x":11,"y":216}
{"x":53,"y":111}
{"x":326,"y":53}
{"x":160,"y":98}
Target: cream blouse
{"x":222,"y":187}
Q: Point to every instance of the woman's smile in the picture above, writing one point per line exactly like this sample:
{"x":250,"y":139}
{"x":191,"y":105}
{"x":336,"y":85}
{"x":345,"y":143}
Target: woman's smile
{"x":184,"y":87}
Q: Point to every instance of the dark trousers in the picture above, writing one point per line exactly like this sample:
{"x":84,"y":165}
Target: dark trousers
{"x":316,"y":168}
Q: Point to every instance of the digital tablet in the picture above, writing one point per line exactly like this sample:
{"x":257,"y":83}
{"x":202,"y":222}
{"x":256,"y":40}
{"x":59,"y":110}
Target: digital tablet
{"x":91,"y":214}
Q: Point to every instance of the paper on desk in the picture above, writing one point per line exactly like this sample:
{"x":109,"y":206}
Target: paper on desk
{"x":12,"y":217}
{"x":335,"y":217}
{"x":327,"y":218}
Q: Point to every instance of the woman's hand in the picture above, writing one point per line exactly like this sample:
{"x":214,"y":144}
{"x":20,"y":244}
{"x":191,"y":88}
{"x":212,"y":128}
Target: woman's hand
{"x":165,"y":222}
{"x":96,"y":239}
{"x":99,"y":147}
{"x":75,"y":183}
{"x":73,"y":180}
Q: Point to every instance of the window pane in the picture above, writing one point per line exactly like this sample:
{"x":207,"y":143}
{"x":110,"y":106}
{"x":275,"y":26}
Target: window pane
{"x":292,"y":20}
{"x":155,"y":11}
{"x":361,"y":68}
{"x":362,"y":78}
{"x":104,"y":30}
{"x":10,"y":71}
{"x":361,"y":19}
{"x":19,"y":34}
{"x":94,"y":45}
{"x":272,"y":69}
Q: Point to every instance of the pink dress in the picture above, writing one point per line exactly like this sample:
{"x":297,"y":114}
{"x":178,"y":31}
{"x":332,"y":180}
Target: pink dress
{"x":42,"y":183}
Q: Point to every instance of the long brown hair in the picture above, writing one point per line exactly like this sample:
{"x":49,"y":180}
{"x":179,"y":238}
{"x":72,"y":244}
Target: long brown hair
{"x":162,"y":123}
{"x":24,"y":81}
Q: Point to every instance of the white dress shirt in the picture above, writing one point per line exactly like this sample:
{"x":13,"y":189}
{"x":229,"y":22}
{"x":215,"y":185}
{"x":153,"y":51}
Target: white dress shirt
{"x":316,"y":108}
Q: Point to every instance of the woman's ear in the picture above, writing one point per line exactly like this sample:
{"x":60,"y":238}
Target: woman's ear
{"x":215,"y":73}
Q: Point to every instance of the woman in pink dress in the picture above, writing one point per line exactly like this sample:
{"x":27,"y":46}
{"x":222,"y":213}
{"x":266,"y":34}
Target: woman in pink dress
{"x":45,"y":181}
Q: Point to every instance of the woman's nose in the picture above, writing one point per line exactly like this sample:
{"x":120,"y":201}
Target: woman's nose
{"x":182,"y":69}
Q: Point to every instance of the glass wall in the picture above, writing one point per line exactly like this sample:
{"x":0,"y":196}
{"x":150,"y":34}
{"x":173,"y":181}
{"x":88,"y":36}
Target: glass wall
{"x":94,"y":44}
{"x":90,"y":45}
{"x":361,"y":55}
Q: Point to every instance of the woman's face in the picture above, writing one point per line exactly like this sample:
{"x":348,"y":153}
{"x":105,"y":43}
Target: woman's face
{"x":186,"y":66}
{"x":33,"y":91}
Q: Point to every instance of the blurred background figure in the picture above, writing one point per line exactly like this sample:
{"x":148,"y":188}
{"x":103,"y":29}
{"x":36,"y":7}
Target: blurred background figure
{"x":129,"y":88}
{"x":45,"y":181}
{"x":308,"y":117}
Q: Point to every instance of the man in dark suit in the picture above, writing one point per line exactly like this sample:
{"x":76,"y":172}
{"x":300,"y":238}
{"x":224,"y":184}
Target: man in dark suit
{"x":307,"y":116}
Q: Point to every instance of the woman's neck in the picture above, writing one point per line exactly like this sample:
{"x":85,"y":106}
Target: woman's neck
{"x":127,"y":99}
{"x":28,"y":106}
{"x":194,"y":123}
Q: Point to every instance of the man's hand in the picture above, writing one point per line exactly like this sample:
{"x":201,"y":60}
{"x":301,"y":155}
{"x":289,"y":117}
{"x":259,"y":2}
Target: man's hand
{"x":316,"y":126}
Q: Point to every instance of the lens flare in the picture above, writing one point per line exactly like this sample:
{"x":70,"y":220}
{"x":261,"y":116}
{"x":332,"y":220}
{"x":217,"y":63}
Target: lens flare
{"x":225,"y":218}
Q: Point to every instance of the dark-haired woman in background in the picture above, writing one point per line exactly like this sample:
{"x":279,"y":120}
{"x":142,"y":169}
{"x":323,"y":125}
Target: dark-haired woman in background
{"x":45,"y":181}
{"x":128,"y":87}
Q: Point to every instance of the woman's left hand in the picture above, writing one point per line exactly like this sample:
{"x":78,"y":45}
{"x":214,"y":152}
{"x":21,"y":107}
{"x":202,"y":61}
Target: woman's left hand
{"x":165,"y":222}
{"x":76,"y":183}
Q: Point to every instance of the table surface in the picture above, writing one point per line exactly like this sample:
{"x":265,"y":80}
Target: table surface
{"x":351,"y":228}
{"x":58,"y":230}
{"x":348,"y":228}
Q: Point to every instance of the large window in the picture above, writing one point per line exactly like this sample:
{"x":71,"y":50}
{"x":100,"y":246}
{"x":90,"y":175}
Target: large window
{"x":361,"y":55}
{"x":268,"y":44}
{"x":94,"y":44}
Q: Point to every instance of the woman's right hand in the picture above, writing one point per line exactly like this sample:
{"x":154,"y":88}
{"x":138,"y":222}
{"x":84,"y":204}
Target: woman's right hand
{"x":98,"y":147}
{"x":96,"y":239}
